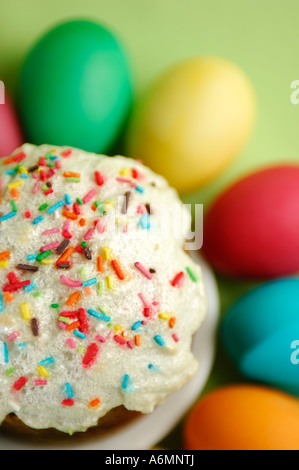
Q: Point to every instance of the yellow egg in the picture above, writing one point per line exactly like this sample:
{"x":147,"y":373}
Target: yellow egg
{"x":194,"y":121}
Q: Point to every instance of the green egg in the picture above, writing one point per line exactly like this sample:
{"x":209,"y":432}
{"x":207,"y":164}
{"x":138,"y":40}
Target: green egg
{"x":75,"y":88}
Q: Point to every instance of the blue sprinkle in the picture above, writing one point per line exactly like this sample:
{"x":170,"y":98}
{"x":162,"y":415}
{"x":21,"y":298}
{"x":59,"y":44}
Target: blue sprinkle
{"x":159,"y":340}
{"x":126,"y":383}
{"x":24,"y":176}
{"x":7,"y":216}
{"x":31,"y":257}
{"x":79,"y":334}
{"x":69,"y":390}
{"x":139,"y":189}
{"x":90,"y":282}
{"x":136,"y":325}
{"x":5,"y":350}
{"x":1,"y":303}
{"x":98,"y":315}
{"x":55,"y":207}
{"x":67,"y":198}
{"x":153,"y":367}
{"x":30,"y":287}
{"x":145,"y":221}
{"x":10,"y":172}
{"x":38,"y":220}
{"x":47,"y":361}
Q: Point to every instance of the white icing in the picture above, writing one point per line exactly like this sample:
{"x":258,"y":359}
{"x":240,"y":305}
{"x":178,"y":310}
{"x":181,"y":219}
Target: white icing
{"x":174,"y":364}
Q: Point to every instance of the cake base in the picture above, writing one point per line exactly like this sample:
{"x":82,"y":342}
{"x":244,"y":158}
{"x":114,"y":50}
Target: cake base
{"x":114,"y":420}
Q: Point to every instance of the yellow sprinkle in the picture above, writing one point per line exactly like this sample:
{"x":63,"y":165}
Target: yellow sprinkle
{"x":25,"y":311}
{"x":46,"y":261}
{"x":3,"y":264}
{"x":108,"y":205}
{"x":164,"y":316}
{"x":23,"y":170}
{"x":107,"y":252}
{"x":125,"y":172}
{"x":117,"y":328}
{"x":109,"y":282}
{"x":15,"y":184}
{"x":42,"y":371}
{"x":81,"y":349}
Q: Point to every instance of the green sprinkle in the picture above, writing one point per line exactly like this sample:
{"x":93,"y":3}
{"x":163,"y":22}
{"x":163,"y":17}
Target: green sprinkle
{"x":43,"y":206}
{"x":10,"y":371}
{"x":72,"y":179}
{"x":37,"y":294}
{"x":81,"y":349}
{"x":79,"y":201}
{"x":103,"y":310}
{"x":43,"y":255}
{"x":48,"y":155}
{"x":83,"y":272}
{"x":109,"y":325}
{"x":83,"y":244}
{"x":55,"y":305}
{"x":51,"y":164}
{"x":100,"y":288}
{"x":64,"y":319}
{"x":192,"y":274}
{"x":45,"y":187}
{"x":14,"y":206}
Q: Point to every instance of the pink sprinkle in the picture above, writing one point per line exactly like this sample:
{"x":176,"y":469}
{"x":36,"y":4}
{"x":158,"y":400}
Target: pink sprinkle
{"x":62,"y":325}
{"x":51,"y":231}
{"x":51,"y":246}
{"x":36,"y":187}
{"x":66,"y":225}
{"x":70,"y":282}
{"x":141,"y":209}
{"x":13,"y":336}
{"x":175,"y":337}
{"x":143,"y":270}
{"x":35,"y":176}
{"x":89,"y":234}
{"x":58,"y":164}
{"x":130,"y":344}
{"x":110,"y":334}
{"x":101,"y":339}
{"x":126,"y":180}
{"x":144,"y":301}
{"x":100,"y":226}
{"x":38,"y":382}
{"x":89,"y":196}
{"x":71,"y":343}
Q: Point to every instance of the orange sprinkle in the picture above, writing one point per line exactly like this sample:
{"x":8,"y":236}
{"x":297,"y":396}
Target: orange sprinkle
{"x":73,"y":326}
{"x":8,"y":161}
{"x":14,"y":193}
{"x":71,"y":174}
{"x":100,"y":264}
{"x":73,"y":298}
{"x":64,"y":257}
{"x":137,"y":340}
{"x":69,"y":215}
{"x":94,"y":403}
{"x":8,"y":297}
{"x":82,"y":222}
{"x":4,"y":255}
{"x":172,"y":322}
{"x":87,"y":290}
{"x":117,"y":269}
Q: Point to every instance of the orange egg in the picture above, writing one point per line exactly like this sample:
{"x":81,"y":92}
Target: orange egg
{"x":244,"y":417}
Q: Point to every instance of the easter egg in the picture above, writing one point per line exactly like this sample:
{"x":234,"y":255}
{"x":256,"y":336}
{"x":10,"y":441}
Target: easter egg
{"x":10,"y":129}
{"x":75,"y":88}
{"x":261,"y":334}
{"x":252,"y":230}
{"x":194,"y":121}
{"x":243,"y":417}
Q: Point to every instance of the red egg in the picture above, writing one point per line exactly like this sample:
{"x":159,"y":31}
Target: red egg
{"x":10,"y":130}
{"x":252,"y":229}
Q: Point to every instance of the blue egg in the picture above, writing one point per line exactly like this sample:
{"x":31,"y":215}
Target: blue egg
{"x":261,"y":334}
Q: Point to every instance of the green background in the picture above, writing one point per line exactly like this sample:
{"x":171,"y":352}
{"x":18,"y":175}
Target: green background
{"x":261,"y":36}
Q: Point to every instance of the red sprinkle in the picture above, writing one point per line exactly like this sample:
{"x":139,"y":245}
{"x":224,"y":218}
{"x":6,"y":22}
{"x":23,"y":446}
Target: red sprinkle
{"x":84,"y":321}
{"x":20,"y":383}
{"x":99,"y":178}
{"x":90,"y":355}
{"x":68,"y":402}
{"x":178,"y":280}
{"x":14,"y":287}
{"x":119,"y":339}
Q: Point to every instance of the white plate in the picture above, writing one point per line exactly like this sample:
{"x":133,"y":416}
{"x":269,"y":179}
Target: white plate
{"x":146,"y":431}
